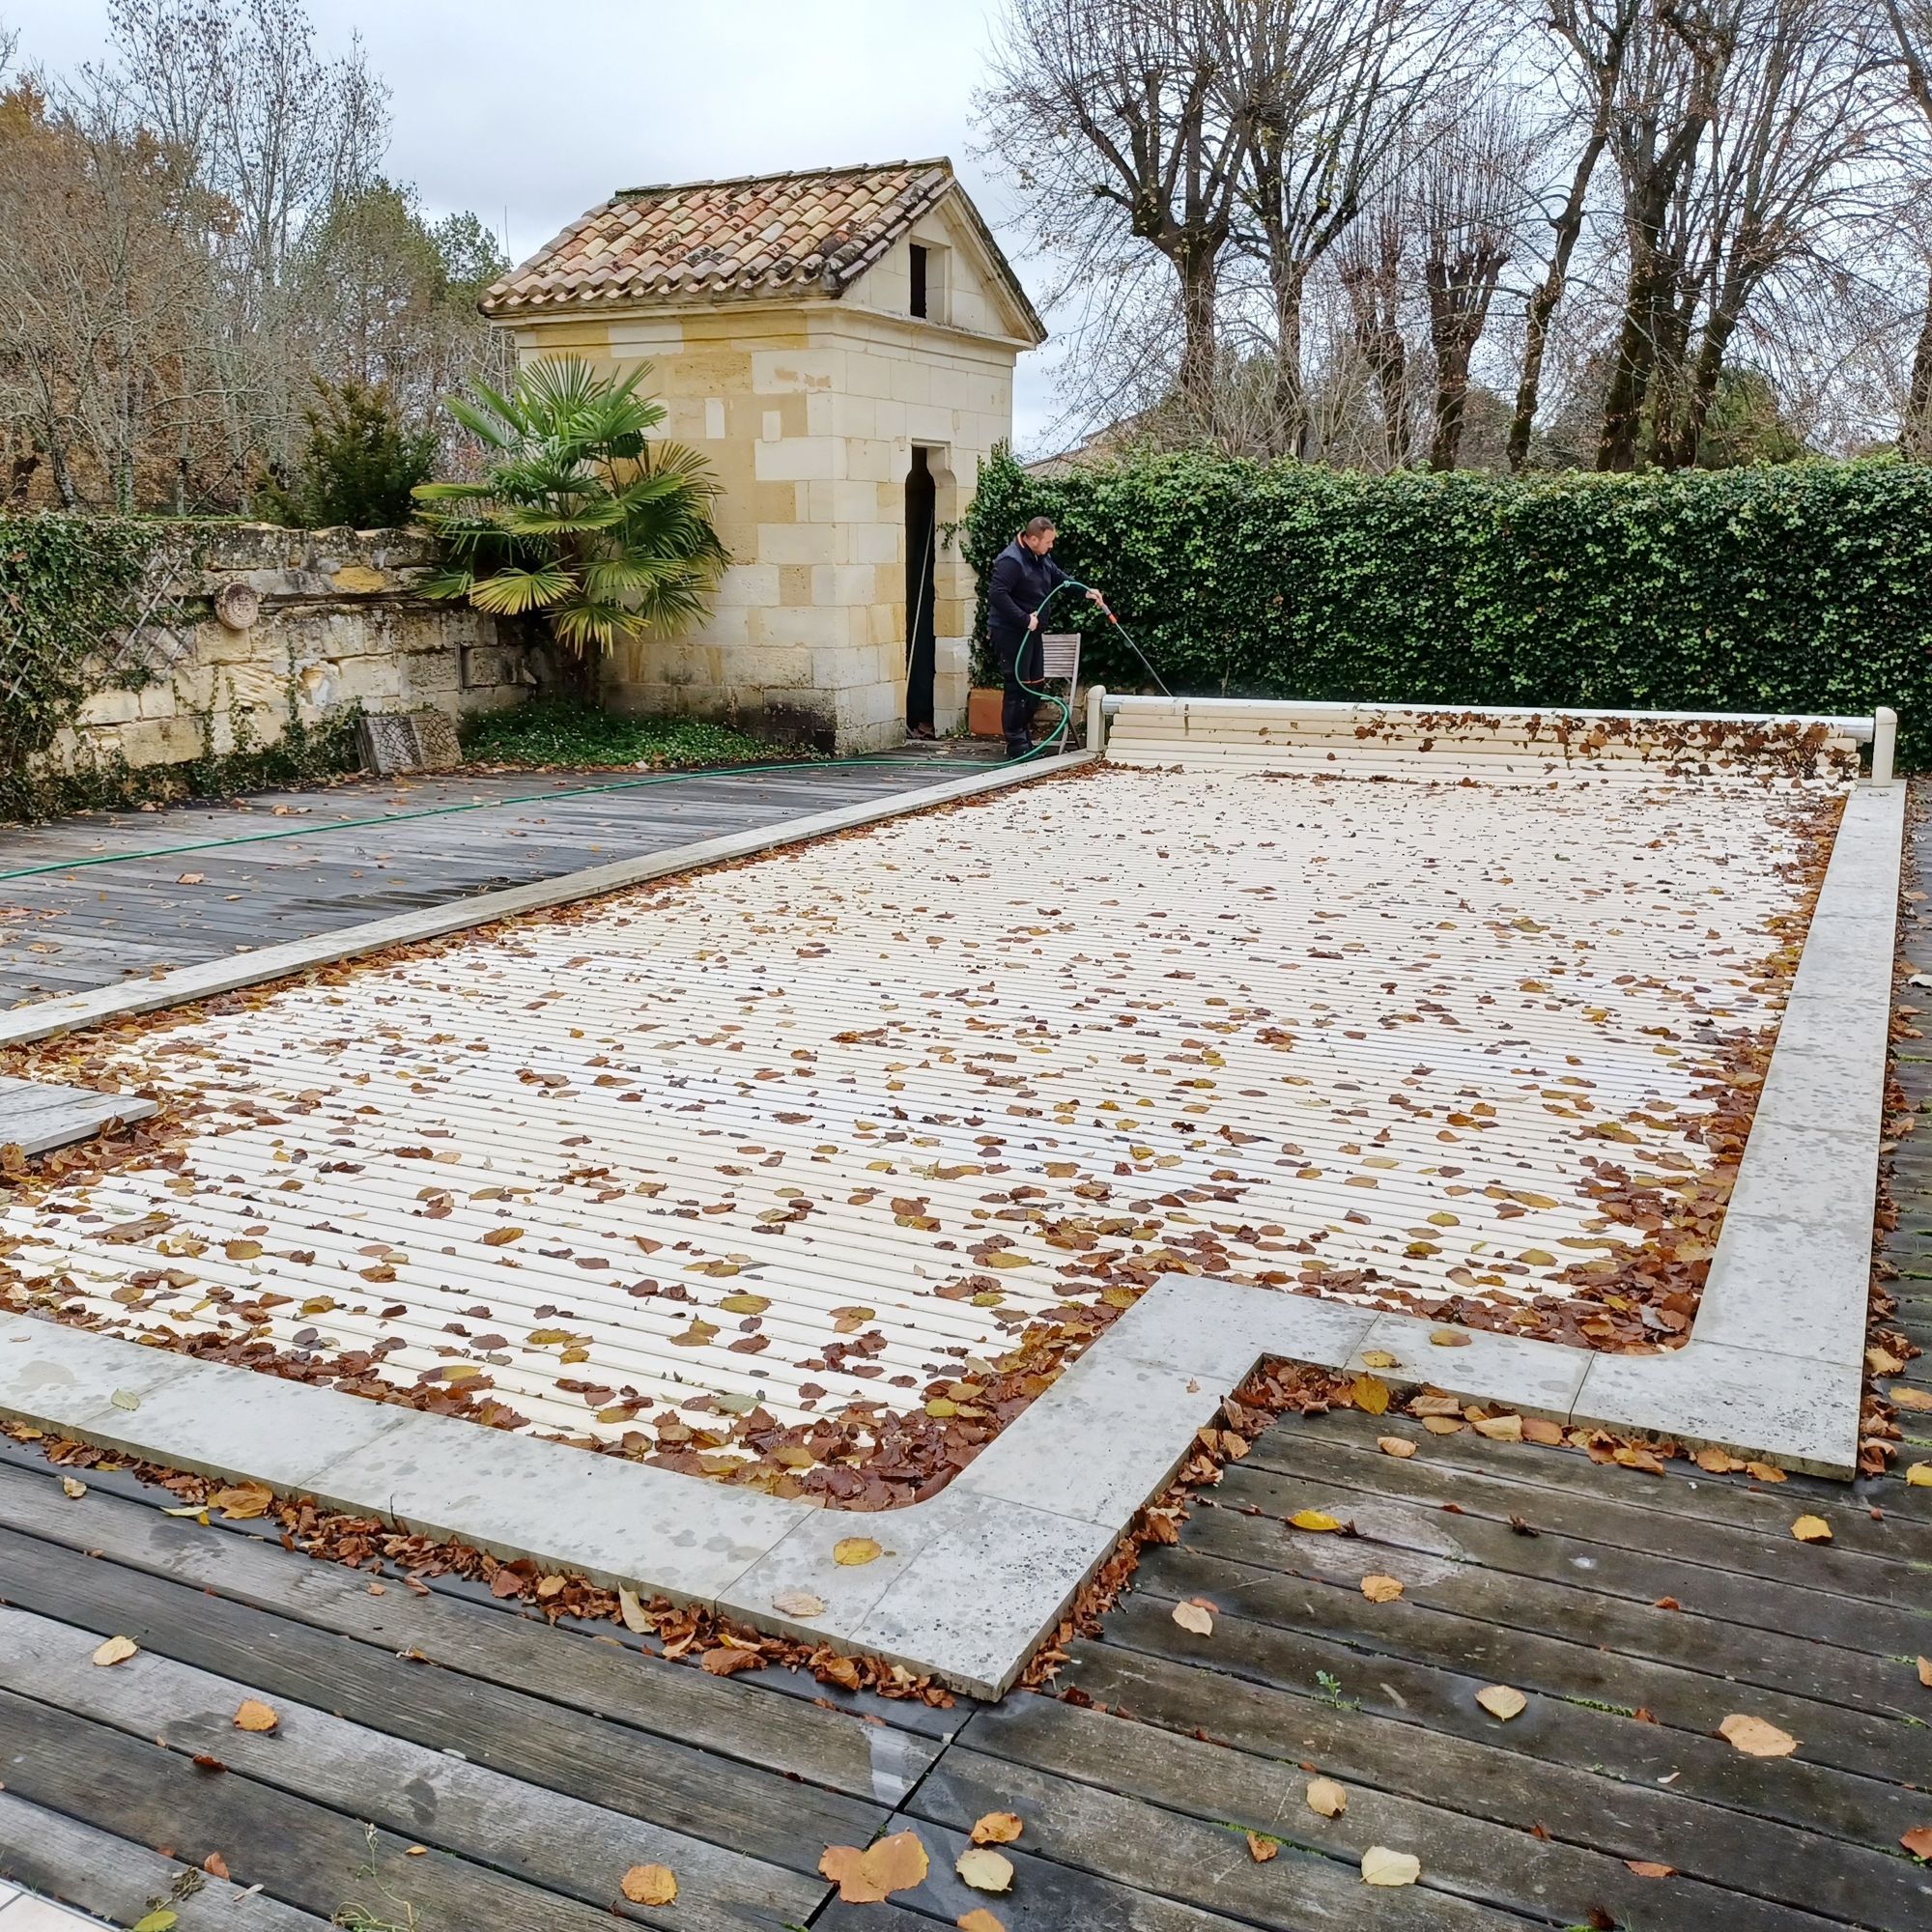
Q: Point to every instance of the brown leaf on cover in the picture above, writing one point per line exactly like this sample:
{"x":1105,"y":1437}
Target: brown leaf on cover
{"x":852,"y":1551}
{"x":1260,"y":1849}
{"x":498,"y":1238}
{"x":1755,"y":1738}
{"x":980,"y":1920}
{"x":866,"y":1878}
{"x":997,"y":1827}
{"x":729,"y":1657}
{"x":215,"y":1866}
{"x":1502,"y":1701}
{"x":1908,"y":1397}
{"x":1918,"y":1841}
{"x":1669,"y":1603}
{"x":649,"y":1884}
{"x":255,"y":1716}
{"x":116,"y":1650}
{"x":1398,"y":1446}
{"x":243,"y":1501}
{"x":1765,"y":1472}
{"x":1925,"y":1671}
{"x":1445,"y":1338}
{"x":1499,"y":1428}
{"x":1441,"y":1425}
{"x":1811,"y":1529}
{"x":1649,"y":1869}
{"x":1638,"y":1459}
{"x":1718,"y":1462}
{"x":1536,"y":1430}
{"x":1381,"y":1589}
{"x":72,"y":1486}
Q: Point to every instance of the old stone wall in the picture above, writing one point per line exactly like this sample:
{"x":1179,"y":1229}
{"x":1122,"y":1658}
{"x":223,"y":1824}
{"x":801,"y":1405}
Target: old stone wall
{"x":282,"y":629}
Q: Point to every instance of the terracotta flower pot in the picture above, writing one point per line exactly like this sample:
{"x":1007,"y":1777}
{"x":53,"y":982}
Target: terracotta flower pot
{"x":983,"y":711}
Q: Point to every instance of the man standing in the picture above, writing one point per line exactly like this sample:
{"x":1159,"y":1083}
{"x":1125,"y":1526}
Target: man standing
{"x":1022,"y":576}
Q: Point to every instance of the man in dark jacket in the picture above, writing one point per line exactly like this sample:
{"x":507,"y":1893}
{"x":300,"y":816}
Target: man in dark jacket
{"x":1021,"y":577}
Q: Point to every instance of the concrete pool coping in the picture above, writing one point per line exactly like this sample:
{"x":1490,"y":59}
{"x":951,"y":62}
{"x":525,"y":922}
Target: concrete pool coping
{"x":970,"y":1581}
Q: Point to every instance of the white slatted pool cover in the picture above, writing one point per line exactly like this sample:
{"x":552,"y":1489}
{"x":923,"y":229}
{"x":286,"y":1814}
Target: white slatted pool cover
{"x":1285,"y":1030}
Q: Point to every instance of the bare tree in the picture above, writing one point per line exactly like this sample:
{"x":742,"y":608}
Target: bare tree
{"x":1370,"y":263}
{"x":1330,"y":88}
{"x":1114,"y":115}
{"x":1596,"y":34}
{"x":1910,"y":24}
{"x":1469,"y":199}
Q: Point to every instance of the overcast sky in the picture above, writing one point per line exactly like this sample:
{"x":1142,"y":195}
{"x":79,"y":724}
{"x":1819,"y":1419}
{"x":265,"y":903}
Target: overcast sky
{"x":530,"y":114}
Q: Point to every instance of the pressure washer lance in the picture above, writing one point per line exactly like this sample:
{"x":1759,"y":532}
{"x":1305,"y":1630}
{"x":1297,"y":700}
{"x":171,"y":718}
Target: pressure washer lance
{"x":1058,"y":734}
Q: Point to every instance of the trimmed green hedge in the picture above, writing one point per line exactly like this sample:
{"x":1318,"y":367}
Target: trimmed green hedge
{"x":1802,"y":587}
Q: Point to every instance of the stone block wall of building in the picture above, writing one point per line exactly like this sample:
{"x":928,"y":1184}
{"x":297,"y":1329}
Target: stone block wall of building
{"x":282,"y":626}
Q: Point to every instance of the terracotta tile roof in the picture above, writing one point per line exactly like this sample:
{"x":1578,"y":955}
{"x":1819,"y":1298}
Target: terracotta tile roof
{"x":702,"y":240}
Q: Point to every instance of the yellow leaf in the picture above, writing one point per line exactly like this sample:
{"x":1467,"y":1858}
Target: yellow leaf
{"x":798,"y":1603}
{"x":1649,"y":1869}
{"x":243,"y":1502}
{"x":1919,"y":1475}
{"x":1441,"y":1425}
{"x":1398,"y":1446}
{"x":1381,"y":1589}
{"x":650,"y":1885}
{"x":1379,"y":1358}
{"x":1755,"y":1738}
{"x":1499,"y":1428}
{"x":980,"y":1920}
{"x":498,"y":1238}
{"x":1925,"y":1671}
{"x":1907,"y":1397}
{"x":1502,"y":1701}
{"x":1371,"y":1395}
{"x":1382,"y":1866}
{"x":997,"y":1827}
{"x":1313,"y":1520}
{"x":984,"y":1870}
{"x":241,"y":1251}
{"x":1811,"y":1529}
{"x":1882,"y":1363}
{"x":852,"y":1551}
{"x":745,"y":1304}
{"x":116,"y":1650}
{"x":864,"y":1878}
{"x":1326,"y":1797}
{"x":1764,"y":1473}
{"x":1005,"y":1259}
{"x":72,"y":1487}
{"x":1450,"y":1338}
{"x":939,"y":1409}
{"x":633,"y":1612}
{"x":1262,"y":1849}
{"x":1194,"y":1617}
{"x":255,"y":1716}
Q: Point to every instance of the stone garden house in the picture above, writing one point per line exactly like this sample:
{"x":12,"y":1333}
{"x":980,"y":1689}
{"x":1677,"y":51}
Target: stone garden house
{"x":840,"y":344}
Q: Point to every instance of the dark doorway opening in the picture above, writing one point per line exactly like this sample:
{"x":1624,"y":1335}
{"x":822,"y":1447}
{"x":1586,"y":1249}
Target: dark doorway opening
{"x":920,"y":543}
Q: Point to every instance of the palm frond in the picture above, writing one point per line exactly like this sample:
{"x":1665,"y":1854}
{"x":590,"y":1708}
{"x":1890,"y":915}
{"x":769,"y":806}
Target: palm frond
{"x":511,"y":592}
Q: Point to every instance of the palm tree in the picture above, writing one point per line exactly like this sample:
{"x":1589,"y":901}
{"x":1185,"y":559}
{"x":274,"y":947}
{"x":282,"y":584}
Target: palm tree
{"x":577,"y":517}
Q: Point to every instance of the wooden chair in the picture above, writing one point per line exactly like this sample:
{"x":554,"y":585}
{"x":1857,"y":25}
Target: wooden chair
{"x":1060,"y":658}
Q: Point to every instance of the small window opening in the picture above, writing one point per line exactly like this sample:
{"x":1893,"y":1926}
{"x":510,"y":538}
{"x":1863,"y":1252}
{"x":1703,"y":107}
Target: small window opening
{"x":918,"y":279}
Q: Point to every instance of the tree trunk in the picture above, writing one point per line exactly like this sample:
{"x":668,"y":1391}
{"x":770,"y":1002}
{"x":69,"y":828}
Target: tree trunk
{"x":1289,"y":432}
{"x":1704,"y":381}
{"x":1914,"y":437}
{"x":1195,"y":265}
{"x":1542,"y":304}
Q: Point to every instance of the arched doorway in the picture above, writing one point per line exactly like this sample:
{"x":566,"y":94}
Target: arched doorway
{"x":921,"y":545}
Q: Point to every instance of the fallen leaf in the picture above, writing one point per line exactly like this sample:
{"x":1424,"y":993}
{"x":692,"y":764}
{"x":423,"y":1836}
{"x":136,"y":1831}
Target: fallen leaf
{"x":1379,"y":1358}
{"x":1925,"y":1671}
{"x":1313,"y":1520}
{"x":1442,"y":1425}
{"x":798,"y":1603}
{"x":71,"y":1487}
{"x":1765,"y":1472}
{"x":633,"y":1612}
{"x":1811,"y":1529}
{"x":156,"y":1921}
{"x":1919,"y":1475}
{"x":650,"y":1885}
{"x":1918,"y":1841}
{"x":116,"y":1650}
{"x":980,"y":1920}
{"x":1649,"y":1869}
{"x":255,"y":1716}
{"x":984,"y":1870}
{"x":1326,"y":1797}
{"x":1882,"y":1363}
{"x":498,"y":1238}
{"x":1443,"y":1338}
{"x":1260,"y":1849}
{"x":1667,"y":1604}
{"x":1381,"y":1589}
{"x":745,"y":1304}
{"x":246,"y":1251}
{"x":190,"y":878}
{"x":1382,"y":1866}
{"x":1637,"y":1459}
{"x":1503,"y":1701}
{"x":243,"y":1502}
{"x":125,"y":1399}
{"x":852,"y":1551}
{"x":997,"y":1827}
{"x":1718,"y":1462}
{"x":215,"y":1866}
{"x":1907,"y":1397}
{"x":1499,"y":1428}
{"x":1755,"y":1738}
{"x":1371,"y":1395}
{"x":1192,"y":1617}
{"x":864,"y":1878}
{"x":1398,"y":1446}
{"x":1536,"y":1430}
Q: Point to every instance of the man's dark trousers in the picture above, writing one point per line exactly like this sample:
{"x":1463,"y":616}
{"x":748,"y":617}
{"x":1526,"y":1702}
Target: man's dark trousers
{"x":1022,"y":660}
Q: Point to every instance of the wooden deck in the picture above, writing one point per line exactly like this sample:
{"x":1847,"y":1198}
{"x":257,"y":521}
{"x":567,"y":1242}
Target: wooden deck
{"x":88,"y":924}
{"x":537,"y":1765}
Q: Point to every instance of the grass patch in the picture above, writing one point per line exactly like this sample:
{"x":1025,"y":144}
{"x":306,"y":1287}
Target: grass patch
{"x":569,"y":732}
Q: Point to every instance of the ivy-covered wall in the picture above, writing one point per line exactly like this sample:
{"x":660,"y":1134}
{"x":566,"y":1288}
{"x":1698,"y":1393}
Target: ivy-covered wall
{"x":145,"y":659}
{"x":1804,"y":588}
